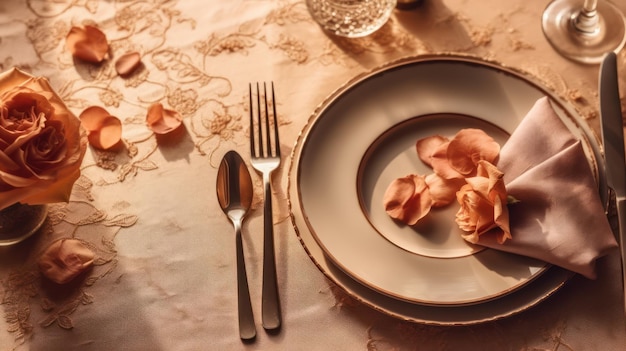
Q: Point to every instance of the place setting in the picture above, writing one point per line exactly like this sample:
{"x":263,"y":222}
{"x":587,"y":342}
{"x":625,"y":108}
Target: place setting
{"x":377,"y":178}
{"x":363,"y":138}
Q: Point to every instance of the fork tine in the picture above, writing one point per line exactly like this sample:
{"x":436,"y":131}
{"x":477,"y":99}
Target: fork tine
{"x":259,"y":124}
{"x":268,"y":144}
{"x":276,"y":139}
{"x":252,"y":143}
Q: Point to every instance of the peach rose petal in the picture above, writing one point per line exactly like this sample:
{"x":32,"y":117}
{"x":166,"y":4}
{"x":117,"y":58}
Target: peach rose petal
{"x":127,"y":63}
{"x":501,"y":213}
{"x":87,"y":43}
{"x":65,"y":259}
{"x":92,"y":117}
{"x":108,"y":134}
{"x":443,"y":191}
{"x":105,"y":131}
{"x":426,"y":147}
{"x":161,"y":120}
{"x":407,"y":199}
{"x":470,"y":146}
{"x":440,"y":164}
{"x":398,"y":193}
{"x":497,"y":194}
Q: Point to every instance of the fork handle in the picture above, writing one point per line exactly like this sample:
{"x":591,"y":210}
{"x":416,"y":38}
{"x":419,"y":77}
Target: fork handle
{"x":270,"y":300}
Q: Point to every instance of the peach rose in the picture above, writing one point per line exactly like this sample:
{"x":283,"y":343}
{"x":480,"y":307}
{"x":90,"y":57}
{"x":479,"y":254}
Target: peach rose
{"x":42,"y":143}
{"x":483,"y":203}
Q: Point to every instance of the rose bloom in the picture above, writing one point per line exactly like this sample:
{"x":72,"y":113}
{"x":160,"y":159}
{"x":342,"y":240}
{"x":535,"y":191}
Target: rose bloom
{"x":483,"y":203}
{"x":42,"y":144}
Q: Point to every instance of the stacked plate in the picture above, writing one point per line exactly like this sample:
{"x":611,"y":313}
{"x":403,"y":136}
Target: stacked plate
{"x":362,"y":138}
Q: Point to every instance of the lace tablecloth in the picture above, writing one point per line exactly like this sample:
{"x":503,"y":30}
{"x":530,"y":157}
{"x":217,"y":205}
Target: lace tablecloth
{"x":164,"y":275}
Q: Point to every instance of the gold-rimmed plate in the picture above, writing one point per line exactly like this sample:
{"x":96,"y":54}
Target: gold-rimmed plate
{"x":361,"y":138}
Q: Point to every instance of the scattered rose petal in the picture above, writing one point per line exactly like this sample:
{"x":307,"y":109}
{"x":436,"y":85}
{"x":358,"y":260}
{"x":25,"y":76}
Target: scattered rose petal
{"x":441,"y":165}
{"x":87,"y":43}
{"x":92,"y":117}
{"x":407,"y":199}
{"x":426,"y":147}
{"x":105,"y":131}
{"x":64,"y":260}
{"x":127,"y":63}
{"x":470,"y":146}
{"x":443,"y":191}
{"x":161,"y":120}
{"x":458,"y":157}
{"x":108,"y":135}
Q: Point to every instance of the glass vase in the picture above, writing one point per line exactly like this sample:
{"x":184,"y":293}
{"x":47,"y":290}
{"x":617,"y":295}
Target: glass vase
{"x":19,"y":221}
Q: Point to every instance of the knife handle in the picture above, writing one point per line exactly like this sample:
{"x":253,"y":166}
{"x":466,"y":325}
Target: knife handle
{"x":620,"y":205}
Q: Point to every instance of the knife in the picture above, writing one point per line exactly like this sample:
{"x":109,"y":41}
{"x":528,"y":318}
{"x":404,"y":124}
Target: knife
{"x":613,"y":140}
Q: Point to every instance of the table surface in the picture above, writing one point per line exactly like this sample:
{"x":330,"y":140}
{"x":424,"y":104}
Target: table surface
{"x":164,"y":278}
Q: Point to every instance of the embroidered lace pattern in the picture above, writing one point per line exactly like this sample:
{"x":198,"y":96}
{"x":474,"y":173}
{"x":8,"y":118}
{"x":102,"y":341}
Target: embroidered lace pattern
{"x":197,"y":80}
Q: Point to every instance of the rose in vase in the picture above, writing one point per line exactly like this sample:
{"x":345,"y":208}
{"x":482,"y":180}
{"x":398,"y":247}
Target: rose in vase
{"x":42,"y":144}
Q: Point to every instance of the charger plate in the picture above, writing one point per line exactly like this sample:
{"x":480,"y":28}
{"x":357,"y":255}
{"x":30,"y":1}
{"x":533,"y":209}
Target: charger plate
{"x":362,"y":137}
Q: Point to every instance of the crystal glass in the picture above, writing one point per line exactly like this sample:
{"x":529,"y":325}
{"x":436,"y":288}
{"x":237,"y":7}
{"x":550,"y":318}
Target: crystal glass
{"x":351,"y":18}
{"x":584,"y":30}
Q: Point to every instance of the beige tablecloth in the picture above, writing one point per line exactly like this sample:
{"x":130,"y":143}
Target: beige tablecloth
{"x":164,"y":277}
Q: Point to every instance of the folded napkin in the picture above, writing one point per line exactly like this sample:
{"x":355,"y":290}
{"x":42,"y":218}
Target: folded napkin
{"x":559,"y":218}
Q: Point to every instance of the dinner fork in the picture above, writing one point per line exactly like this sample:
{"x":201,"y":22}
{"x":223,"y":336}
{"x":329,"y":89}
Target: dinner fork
{"x":265,"y":158}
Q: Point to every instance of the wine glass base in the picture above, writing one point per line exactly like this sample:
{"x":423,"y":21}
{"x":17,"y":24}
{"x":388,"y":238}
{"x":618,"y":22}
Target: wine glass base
{"x":585,"y":47}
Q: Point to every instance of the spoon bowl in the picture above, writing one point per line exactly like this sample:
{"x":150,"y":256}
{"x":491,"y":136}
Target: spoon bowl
{"x":234,"y":193}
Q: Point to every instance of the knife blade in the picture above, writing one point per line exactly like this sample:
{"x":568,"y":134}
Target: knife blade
{"x":613,"y":141}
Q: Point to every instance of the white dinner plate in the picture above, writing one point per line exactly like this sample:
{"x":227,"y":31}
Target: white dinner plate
{"x":361,"y":138}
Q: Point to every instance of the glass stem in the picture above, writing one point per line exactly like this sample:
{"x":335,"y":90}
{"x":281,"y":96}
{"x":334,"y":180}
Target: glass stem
{"x":587,"y":20}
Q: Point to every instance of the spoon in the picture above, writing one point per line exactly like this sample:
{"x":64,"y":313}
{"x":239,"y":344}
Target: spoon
{"x":234,"y":193}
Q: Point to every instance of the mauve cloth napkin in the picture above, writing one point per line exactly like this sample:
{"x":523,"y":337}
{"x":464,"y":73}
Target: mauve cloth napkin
{"x":559,"y":218}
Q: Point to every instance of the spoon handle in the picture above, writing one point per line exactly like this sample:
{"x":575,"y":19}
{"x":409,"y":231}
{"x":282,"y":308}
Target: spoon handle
{"x":247,"y":330}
